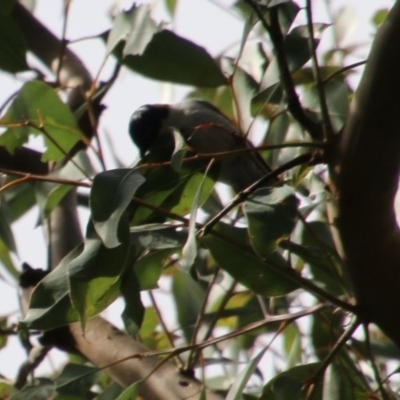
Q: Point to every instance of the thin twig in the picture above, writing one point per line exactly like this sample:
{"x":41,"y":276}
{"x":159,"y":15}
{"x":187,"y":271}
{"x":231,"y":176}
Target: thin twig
{"x":43,"y":178}
{"x":63,"y":40}
{"x":193,"y":356}
{"x":244,"y":194}
{"x":164,"y":327}
{"x":347,"y":334}
{"x":288,"y":86}
{"x":382,"y":390}
{"x":326,"y":121}
{"x":344,"y":69}
{"x":42,"y":129}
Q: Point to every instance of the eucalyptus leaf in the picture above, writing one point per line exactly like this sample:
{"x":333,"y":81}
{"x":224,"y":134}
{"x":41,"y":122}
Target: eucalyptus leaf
{"x":38,"y":110}
{"x":112,"y":191}
{"x":182,"y":62}
{"x":271,"y":215}
{"x":244,"y":265}
{"x":12,"y":46}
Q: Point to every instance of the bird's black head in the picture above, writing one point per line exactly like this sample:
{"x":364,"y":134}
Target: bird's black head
{"x":145,"y":125}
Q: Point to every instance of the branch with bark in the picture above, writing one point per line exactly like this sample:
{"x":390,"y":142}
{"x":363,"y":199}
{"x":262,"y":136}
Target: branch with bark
{"x":369,"y":163}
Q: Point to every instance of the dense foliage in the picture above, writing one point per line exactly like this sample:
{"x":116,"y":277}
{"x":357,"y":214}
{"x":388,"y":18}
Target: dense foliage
{"x":263,"y":301}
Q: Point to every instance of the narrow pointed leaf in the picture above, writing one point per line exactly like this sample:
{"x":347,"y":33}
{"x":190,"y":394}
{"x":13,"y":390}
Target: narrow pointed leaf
{"x":12,"y":46}
{"x":111,"y":193}
{"x":37,"y":103}
{"x":245,"y":266}
{"x":182,"y":62}
{"x":236,"y":390}
{"x":271,"y":215}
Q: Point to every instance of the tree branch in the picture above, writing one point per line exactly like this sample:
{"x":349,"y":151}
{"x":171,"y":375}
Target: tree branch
{"x":368,"y":182}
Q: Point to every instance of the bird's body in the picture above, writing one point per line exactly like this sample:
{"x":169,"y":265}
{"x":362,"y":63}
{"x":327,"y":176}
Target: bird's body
{"x":206,"y":130}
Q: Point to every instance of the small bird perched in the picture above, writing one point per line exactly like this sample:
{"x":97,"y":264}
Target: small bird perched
{"x":206,"y":130}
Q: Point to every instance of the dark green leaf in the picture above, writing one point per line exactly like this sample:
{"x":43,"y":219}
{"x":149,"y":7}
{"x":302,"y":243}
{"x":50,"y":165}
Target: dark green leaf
{"x":343,"y":381}
{"x":189,"y":297}
{"x":297,"y":52}
{"x":236,"y":390}
{"x":94,"y":275}
{"x":271,"y":216}
{"x":50,"y":305}
{"x":172,"y":191}
{"x":169,"y":57}
{"x":133,"y":313}
{"x":42,"y":390}
{"x":19,"y":199}
{"x":245,"y":266}
{"x":337,"y":98}
{"x":75,"y":380}
{"x":49,"y":196}
{"x":291,"y":384}
{"x":12,"y":46}
{"x":38,"y":104}
{"x":111,"y":193}
{"x":83,"y":284}
{"x":131,"y":392}
{"x":322,"y":264}
{"x":149,"y":267}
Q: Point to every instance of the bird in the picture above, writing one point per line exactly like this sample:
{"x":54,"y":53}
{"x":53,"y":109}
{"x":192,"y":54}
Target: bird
{"x":206,"y":130}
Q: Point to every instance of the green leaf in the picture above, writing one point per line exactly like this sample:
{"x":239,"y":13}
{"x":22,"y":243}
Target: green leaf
{"x":297,"y":52}
{"x":75,"y":379}
{"x":271,"y":216}
{"x":43,"y":389}
{"x":379,"y":16}
{"x":337,"y":98}
{"x":12,"y":46}
{"x":19,"y":199}
{"x":290,"y":384}
{"x":6,"y":260}
{"x":112,"y":191}
{"x":94,"y":275}
{"x":38,"y":104}
{"x":236,"y":390}
{"x":322,"y":264}
{"x":169,"y":57}
{"x":83,"y":284}
{"x":50,"y":305}
{"x":149,"y":267}
{"x":131,"y":392}
{"x":231,"y":255}
{"x":292,"y":345}
{"x":133,"y":313}
{"x":343,"y":381}
{"x":189,"y":297}
{"x":170,"y":5}
{"x":189,"y":250}
{"x":173,"y":191}
{"x":135,"y":27}
{"x":49,"y":196}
